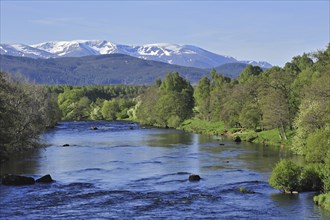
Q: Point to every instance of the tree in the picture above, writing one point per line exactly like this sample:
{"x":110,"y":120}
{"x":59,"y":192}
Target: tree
{"x":326,"y":173}
{"x":202,"y":98}
{"x":96,"y":109}
{"x":110,"y":109}
{"x":25,"y":111}
{"x":302,"y":62}
{"x":168,"y":105}
{"x":317,"y":145}
{"x":249,"y":72}
{"x":314,"y":112}
{"x":275,"y":112}
{"x":145,"y":109}
{"x":158,"y":82}
{"x":250,"y":115}
{"x":219,"y":88}
{"x":285,"y":176}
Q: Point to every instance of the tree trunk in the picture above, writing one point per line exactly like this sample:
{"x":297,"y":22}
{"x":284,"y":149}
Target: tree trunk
{"x":284,"y":133}
{"x":279,"y":132}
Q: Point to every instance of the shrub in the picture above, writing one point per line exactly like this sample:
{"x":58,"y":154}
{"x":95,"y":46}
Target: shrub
{"x":326,"y":173}
{"x":285,"y":176}
{"x":174,"y":121}
{"x":310,"y":179}
{"x":317,"y":145}
{"x":323,"y":200}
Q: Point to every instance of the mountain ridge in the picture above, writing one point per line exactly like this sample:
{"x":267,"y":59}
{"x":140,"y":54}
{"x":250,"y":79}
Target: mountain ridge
{"x":104,"y":69}
{"x":100,"y":69}
{"x":183,"y":55}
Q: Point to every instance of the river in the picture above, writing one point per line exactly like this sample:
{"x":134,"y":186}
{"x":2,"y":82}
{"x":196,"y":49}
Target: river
{"x":124,"y":171}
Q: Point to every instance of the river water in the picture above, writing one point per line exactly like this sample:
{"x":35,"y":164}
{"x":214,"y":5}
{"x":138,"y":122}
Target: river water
{"x":124,"y":171}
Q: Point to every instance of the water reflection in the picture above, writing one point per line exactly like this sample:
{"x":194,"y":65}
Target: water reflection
{"x":25,"y":162}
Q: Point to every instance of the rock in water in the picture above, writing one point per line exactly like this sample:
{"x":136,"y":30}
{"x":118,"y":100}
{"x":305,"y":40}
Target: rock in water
{"x":45,"y":179}
{"x":237,"y":139}
{"x":15,"y":180}
{"x":194,"y":177}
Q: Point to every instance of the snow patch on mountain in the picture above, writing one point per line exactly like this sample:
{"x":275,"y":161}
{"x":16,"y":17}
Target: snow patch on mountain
{"x":262,"y":64}
{"x":184,"y":55}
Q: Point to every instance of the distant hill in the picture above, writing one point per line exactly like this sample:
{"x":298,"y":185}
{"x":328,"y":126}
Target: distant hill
{"x":232,"y":70}
{"x":101,"y":69}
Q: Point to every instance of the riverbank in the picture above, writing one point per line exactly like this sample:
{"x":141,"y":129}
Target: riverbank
{"x":323,"y":200}
{"x":267,"y":137}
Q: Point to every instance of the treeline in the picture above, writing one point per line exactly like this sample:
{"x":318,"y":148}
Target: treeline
{"x":102,"y":102}
{"x":167,"y":103}
{"x":291,"y":100}
{"x":26,"y":110}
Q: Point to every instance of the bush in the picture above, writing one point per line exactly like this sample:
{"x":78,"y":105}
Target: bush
{"x":310,"y":179}
{"x":285,"y":176}
{"x":174,"y":121}
{"x":323,"y":200}
{"x":249,"y":136}
{"x":316,"y":146}
{"x":326,"y":173}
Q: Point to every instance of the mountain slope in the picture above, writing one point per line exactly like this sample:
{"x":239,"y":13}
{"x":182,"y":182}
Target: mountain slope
{"x":232,"y":70}
{"x":185,"y":55}
{"x":23,"y":51}
{"x":102,"y":69}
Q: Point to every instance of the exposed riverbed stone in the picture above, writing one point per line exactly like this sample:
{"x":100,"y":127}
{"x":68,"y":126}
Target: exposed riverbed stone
{"x":194,"y":177}
{"x":237,"y":139}
{"x":16,"y":180}
{"x":45,"y":179}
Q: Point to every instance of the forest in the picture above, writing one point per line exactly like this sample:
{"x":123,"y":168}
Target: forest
{"x":291,"y":103}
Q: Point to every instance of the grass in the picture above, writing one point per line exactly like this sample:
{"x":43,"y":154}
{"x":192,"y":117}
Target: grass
{"x":203,"y":127}
{"x":269,"y":137}
{"x":323,"y":200}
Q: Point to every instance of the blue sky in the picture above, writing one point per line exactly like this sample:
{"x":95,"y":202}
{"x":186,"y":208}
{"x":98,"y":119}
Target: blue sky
{"x":273,"y":31}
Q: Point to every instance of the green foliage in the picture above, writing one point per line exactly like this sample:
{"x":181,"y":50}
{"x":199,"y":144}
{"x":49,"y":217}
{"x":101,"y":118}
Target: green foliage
{"x":110,"y":109}
{"x":250,"y":116}
{"x":326,"y":173}
{"x":167,"y":105}
{"x":26,"y":110}
{"x":323,"y":200}
{"x":202,"y":98}
{"x":97,"y":102}
{"x":248,"y":73}
{"x":203,"y":127}
{"x":302,"y":62}
{"x":314,"y":113}
{"x":145,"y":112}
{"x":288,"y":177}
{"x":317,"y":145}
{"x":310,"y":178}
{"x":285,"y":176}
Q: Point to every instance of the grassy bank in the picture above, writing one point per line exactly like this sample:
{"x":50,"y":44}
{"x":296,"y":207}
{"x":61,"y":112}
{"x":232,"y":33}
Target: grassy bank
{"x":270,"y":137}
{"x":203,"y":127}
{"x":323,"y":200}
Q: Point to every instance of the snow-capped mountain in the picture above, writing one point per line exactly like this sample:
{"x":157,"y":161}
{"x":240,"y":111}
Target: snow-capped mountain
{"x":262,"y":64}
{"x":22,"y":50}
{"x":184,"y":55}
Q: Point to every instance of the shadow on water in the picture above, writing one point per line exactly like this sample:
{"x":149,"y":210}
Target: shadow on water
{"x":25,"y":162}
